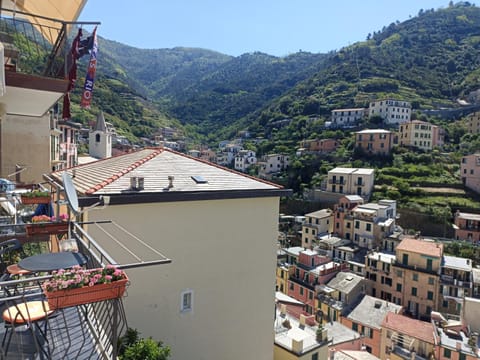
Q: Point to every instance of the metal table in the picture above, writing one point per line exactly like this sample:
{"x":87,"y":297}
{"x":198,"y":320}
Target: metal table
{"x":52,"y":261}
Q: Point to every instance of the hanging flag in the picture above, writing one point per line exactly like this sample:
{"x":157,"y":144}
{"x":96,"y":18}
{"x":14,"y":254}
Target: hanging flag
{"x":72,"y":74}
{"x":90,"y":77}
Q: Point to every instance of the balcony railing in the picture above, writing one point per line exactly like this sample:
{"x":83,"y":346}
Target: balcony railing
{"x":37,"y":47}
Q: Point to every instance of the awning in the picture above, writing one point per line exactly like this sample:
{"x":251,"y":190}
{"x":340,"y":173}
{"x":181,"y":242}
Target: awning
{"x":66,"y":11}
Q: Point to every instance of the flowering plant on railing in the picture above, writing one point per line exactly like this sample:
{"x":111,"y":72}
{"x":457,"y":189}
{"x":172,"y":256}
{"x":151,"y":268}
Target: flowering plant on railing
{"x":78,"y":277}
{"x":46,"y":218}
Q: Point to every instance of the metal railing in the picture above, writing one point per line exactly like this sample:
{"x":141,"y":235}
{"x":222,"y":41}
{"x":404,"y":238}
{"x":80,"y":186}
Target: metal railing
{"x":40,"y":42}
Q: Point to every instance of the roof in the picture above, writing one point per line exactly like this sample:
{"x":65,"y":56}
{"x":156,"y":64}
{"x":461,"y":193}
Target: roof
{"x":320,"y":213}
{"x":338,"y":333}
{"x":468,"y":216}
{"x":353,"y":355}
{"x":353,"y":198}
{"x":359,"y":171}
{"x":374,"y":131}
{"x":457,"y":263}
{"x":100,"y":124}
{"x":159,"y":167}
{"x":424,"y":247}
{"x":345,"y":282}
{"x":371,"y":311}
{"x":414,"y":328}
{"x":351,"y":109}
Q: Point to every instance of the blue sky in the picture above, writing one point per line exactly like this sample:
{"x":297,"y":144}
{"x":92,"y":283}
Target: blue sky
{"x":234,"y":27}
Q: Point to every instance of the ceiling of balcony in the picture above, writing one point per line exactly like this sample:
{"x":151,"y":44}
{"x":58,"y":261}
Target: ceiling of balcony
{"x":67,"y":11}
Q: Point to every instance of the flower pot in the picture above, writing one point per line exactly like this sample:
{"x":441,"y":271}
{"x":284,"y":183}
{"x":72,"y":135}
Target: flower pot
{"x":35,"y":200}
{"x":86,"y":295}
{"x":46,"y":228}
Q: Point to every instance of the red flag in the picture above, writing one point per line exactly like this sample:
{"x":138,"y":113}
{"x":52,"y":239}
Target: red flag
{"x":72,"y":74}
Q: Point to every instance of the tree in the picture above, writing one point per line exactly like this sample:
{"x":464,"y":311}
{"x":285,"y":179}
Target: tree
{"x":131,"y":347}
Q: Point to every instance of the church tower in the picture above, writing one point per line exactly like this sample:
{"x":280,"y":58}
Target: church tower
{"x":100,"y":139}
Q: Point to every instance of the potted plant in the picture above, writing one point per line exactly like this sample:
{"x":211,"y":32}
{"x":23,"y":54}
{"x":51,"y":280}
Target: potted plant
{"x":36,"y":197}
{"x":79,"y":286}
{"x":47,"y":225}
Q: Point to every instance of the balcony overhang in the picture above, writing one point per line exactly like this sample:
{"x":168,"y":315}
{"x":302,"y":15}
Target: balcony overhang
{"x":31,"y":95}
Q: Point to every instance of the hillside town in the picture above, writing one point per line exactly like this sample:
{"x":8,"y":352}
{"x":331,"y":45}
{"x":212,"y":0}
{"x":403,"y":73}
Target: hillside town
{"x":166,"y":219}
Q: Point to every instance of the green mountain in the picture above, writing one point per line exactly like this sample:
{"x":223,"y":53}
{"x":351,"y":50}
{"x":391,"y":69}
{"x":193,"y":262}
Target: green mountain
{"x":431,"y":60}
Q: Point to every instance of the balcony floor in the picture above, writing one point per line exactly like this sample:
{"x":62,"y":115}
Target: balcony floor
{"x":68,"y":338}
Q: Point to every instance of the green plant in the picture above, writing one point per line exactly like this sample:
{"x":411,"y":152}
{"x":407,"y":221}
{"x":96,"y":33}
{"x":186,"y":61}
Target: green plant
{"x":36,"y":193}
{"x":131,"y":347}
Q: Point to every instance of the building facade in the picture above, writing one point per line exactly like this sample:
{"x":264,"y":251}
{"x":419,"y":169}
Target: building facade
{"x":470,"y":172}
{"x":392,"y":111}
{"x":421,"y":135}
{"x":347,"y":117}
{"x":351,"y":181}
{"x":374,"y":141}
{"x":467,"y":226}
{"x":316,"y":224}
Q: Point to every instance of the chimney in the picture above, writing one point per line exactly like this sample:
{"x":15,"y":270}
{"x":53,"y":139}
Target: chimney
{"x":133,"y":183}
{"x":302,"y":320}
{"x":283,"y":309}
{"x":170,"y":181}
{"x":297,"y":346}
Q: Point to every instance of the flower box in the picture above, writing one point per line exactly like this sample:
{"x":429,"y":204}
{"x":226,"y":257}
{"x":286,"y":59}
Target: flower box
{"x":27,"y":200}
{"x":52,"y":228}
{"x":86,"y":294}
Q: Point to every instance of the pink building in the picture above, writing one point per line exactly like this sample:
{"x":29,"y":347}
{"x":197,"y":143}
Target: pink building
{"x":320,"y":145}
{"x":467,"y":226}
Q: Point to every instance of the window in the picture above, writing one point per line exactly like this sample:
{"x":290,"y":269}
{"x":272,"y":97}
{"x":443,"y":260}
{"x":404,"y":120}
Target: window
{"x":415,"y":277}
{"x":355,"y":327}
{"x":301,"y":290}
{"x":315,"y":356}
{"x":405,"y":259}
{"x":292,"y":286}
{"x":399,"y":287}
{"x":186,"y":301}
{"x":414,"y":291}
{"x":357,"y":224}
{"x":430,"y":295}
{"x":399,"y":273}
{"x":429,"y":264}
{"x":431,"y":280}
{"x":368,"y":227}
{"x":447,"y":353}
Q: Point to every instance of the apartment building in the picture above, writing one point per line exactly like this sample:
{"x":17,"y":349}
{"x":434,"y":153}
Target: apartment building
{"x":392,"y":111}
{"x":317,"y":223}
{"x":456,"y":283}
{"x":244,"y":159}
{"x":473,"y":123}
{"x":467,"y":226}
{"x":470,"y":172}
{"x":367,"y":318}
{"x":178,"y":302}
{"x":415,"y":276}
{"x":272,"y":164}
{"x":351,"y":181}
{"x":338,"y":294}
{"x":347,"y":117}
{"x":343,"y":209}
{"x":319,"y":145}
{"x":368,"y":224}
{"x":404,"y":337}
{"x":374,"y":141}
{"x":421,"y":135}
{"x":311,"y":270}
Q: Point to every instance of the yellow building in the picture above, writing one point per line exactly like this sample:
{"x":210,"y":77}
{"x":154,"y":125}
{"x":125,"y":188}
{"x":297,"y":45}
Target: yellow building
{"x":204,"y":217}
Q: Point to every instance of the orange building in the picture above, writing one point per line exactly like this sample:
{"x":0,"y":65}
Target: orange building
{"x":374,"y":141}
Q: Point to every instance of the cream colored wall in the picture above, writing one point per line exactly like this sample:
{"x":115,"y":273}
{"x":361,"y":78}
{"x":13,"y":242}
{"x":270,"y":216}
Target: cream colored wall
{"x":224,"y":250}
{"x":282,"y":354}
{"x":25,"y":141}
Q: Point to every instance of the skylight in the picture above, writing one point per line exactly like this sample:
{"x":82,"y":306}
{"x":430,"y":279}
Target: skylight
{"x":199,"y":179}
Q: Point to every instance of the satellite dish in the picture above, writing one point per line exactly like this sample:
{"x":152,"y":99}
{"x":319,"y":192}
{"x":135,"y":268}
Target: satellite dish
{"x":70,"y":193}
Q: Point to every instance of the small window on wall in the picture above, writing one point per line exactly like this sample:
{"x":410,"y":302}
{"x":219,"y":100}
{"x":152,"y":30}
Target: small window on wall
{"x":186,"y":301}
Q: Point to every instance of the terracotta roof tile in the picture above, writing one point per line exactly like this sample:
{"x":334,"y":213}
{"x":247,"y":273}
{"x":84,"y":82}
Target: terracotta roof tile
{"x":418,"y":329}
{"x":424,"y":247}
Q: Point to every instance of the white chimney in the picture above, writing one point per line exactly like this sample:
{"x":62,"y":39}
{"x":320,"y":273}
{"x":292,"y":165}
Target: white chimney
{"x":283,"y":309}
{"x":297,"y":346}
{"x":302,"y":320}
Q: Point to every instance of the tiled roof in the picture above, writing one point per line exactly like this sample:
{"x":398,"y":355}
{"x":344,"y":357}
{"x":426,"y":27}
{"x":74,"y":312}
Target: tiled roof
{"x":418,"y":329}
{"x":112,"y":175}
{"x":424,"y":247}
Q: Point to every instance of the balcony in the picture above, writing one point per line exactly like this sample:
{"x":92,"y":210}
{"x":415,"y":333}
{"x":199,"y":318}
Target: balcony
{"x":337,"y":181}
{"x":35,"y":53}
